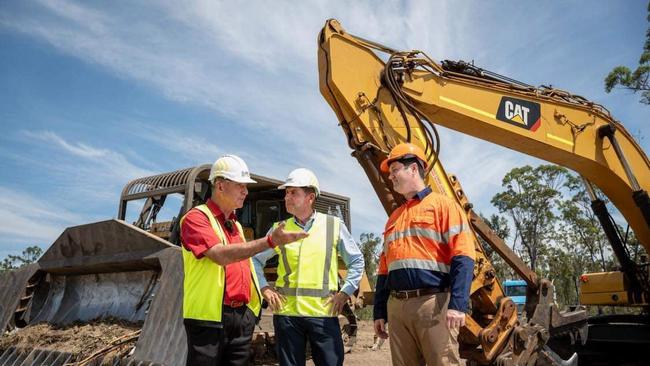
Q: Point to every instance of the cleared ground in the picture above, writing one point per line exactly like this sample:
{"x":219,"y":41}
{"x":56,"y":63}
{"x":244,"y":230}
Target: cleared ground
{"x":362,"y":354}
{"x":86,"y":339}
{"x":111,"y":338}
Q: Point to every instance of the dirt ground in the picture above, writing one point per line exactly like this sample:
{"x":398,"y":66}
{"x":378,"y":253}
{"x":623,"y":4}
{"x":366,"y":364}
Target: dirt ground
{"x":82,"y":339}
{"x":362,"y":353}
{"x":85,"y":339}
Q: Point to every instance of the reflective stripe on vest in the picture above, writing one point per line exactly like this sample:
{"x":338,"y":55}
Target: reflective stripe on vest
{"x":441,"y":238}
{"x":425,"y":235}
{"x":204,"y":282}
{"x":418,"y":264}
{"x":308,"y":269}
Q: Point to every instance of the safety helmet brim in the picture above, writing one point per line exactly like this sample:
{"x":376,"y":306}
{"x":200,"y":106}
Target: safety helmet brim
{"x":284,"y":186}
{"x":385,"y":165}
{"x":242,"y":180}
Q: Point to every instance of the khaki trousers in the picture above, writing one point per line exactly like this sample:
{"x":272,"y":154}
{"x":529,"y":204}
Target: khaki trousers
{"x":419,"y":334}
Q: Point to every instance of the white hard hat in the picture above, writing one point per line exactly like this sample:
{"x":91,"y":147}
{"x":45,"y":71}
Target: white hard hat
{"x":302,"y":177}
{"x":231,"y":167}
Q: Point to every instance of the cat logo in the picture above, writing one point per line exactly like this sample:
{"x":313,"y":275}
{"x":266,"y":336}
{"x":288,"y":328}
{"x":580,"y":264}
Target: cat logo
{"x":520,"y":113}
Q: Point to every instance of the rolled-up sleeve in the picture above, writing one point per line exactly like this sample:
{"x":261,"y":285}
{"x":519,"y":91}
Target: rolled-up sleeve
{"x":353,"y":259}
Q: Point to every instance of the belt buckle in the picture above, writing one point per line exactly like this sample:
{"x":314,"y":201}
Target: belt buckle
{"x":410,"y":294}
{"x":236,"y":304}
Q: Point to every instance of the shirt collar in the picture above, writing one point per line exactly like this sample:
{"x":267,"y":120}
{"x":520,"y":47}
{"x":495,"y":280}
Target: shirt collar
{"x":423,"y":193}
{"x":307,"y":223}
{"x":216,"y":211}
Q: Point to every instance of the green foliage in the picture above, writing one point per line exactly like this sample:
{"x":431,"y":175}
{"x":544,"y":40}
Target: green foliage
{"x":528,"y":199}
{"x":370,"y":245}
{"x":565,"y":270}
{"x":636,"y":249}
{"x":499,"y":225}
{"x":29,"y":255}
{"x":555,"y":229}
{"x":580,"y":227}
{"x":637,"y":80}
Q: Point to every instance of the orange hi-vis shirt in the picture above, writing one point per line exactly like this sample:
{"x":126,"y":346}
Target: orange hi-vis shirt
{"x":427,"y":243}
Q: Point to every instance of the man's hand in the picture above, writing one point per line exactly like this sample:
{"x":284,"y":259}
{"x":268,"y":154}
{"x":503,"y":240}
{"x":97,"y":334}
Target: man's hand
{"x":455,"y":319}
{"x":337,"y":301}
{"x":273,"y":297}
{"x":380,"y":329}
{"x":281,"y":237}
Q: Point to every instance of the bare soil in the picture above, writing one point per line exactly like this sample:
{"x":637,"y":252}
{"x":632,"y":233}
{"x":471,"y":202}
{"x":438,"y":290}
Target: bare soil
{"x":85,"y":339}
{"x":81,"y":340}
{"x":362,"y":353}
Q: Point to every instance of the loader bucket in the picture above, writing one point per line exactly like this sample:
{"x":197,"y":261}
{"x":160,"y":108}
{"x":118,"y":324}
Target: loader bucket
{"x":111,"y":273}
{"x":108,"y":270}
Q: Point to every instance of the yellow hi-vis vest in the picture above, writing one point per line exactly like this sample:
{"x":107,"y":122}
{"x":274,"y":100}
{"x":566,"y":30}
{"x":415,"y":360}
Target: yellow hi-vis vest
{"x":308,"y":269}
{"x":205,"y":281}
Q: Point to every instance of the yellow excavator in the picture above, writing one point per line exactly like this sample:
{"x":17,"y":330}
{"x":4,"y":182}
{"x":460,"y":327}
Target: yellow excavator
{"x":383,"y":97}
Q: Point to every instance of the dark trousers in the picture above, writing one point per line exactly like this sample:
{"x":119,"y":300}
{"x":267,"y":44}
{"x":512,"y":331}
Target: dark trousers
{"x":323,"y":334}
{"x":228,"y":345}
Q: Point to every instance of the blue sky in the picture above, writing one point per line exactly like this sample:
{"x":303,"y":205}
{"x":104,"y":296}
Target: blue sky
{"x":95,"y":94}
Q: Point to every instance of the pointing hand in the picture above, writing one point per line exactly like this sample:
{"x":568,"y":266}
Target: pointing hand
{"x":279,"y":236}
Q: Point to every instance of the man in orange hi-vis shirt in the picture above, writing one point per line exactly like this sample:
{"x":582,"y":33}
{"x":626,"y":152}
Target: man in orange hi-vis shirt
{"x":425,"y":270}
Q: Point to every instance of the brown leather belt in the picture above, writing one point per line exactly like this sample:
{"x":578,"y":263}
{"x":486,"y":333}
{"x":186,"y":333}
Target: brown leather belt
{"x":409,"y":294}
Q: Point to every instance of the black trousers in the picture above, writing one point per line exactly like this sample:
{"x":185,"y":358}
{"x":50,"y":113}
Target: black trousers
{"x":228,"y":345}
{"x":323,"y":334}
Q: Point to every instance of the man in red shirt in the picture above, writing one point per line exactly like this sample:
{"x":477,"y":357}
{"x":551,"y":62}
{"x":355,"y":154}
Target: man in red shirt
{"x":222,"y":300}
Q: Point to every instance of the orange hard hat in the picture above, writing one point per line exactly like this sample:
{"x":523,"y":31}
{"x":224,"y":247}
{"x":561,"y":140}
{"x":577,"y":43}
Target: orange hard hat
{"x":404,"y":150}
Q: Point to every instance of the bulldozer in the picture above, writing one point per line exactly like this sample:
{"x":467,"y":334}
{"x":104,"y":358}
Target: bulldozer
{"x":115,"y":271}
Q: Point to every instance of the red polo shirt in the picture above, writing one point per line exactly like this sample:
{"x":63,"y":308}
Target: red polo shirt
{"x":198,"y":236}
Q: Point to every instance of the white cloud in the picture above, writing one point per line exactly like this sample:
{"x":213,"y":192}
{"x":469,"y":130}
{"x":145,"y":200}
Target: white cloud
{"x":30,"y":217}
{"x":88,"y":177}
{"x":98,"y":164}
{"x":194,"y":148}
{"x":478,"y":164}
{"x":79,"y":149}
{"x":254,"y":64}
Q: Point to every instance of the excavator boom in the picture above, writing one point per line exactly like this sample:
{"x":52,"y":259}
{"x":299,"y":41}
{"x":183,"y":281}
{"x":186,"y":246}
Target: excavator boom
{"x":383,"y":97}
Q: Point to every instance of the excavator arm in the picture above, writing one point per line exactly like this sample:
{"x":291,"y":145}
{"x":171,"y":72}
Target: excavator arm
{"x":383,"y":97}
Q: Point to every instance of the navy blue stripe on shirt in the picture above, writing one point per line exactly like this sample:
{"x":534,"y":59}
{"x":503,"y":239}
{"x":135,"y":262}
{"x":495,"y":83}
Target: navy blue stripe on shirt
{"x":461,"y":272}
{"x":423,"y":193}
